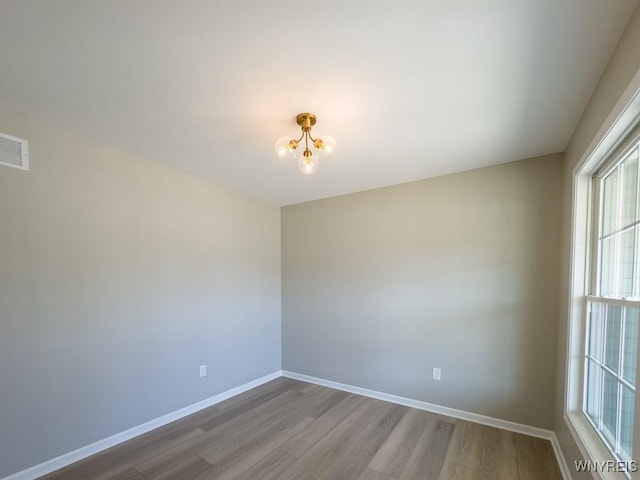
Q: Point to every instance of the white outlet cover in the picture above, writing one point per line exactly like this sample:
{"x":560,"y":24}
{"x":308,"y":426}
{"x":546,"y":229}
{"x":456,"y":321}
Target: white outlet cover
{"x":436,"y":374}
{"x":203,"y":370}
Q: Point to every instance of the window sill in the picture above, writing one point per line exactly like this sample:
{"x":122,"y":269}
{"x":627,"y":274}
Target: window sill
{"x":592,"y":447}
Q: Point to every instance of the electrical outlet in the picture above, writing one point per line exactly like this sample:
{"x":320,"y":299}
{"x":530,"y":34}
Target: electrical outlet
{"x":203,"y":370}
{"x":436,"y":373}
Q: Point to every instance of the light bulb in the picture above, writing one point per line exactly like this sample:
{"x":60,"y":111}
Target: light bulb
{"x":326,"y":144}
{"x":308,"y":162}
{"x":286,"y":148}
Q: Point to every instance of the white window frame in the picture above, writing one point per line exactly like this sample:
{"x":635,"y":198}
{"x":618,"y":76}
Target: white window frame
{"x":627,"y":146}
{"x":621,"y":130}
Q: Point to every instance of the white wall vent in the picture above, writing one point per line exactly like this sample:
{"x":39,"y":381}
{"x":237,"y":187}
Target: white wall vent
{"x":14,"y":152}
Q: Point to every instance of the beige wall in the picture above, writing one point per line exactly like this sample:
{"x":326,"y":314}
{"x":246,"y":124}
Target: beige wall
{"x":458,"y":272}
{"x":118,"y":278}
{"x":623,"y":66}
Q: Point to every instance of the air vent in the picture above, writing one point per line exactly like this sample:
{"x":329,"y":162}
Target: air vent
{"x":14,"y":152}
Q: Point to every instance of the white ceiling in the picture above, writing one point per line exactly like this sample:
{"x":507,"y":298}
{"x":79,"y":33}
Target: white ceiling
{"x":408,"y":88}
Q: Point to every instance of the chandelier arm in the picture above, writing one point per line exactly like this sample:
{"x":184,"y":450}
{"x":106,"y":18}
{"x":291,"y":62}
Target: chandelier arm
{"x":310,"y":137}
{"x":298,"y":140}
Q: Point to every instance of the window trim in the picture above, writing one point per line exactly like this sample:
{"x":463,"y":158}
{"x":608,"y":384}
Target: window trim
{"x":615,"y":135}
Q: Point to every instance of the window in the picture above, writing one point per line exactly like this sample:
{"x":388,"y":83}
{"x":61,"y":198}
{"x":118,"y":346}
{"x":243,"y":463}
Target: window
{"x":613,"y":307}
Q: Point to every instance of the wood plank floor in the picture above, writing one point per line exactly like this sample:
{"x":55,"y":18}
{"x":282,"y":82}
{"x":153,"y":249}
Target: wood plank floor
{"x":291,"y":430}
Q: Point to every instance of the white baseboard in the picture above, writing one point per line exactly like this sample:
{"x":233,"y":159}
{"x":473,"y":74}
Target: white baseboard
{"x":562,"y":462}
{"x":84,"y":452}
{"x":450,"y":412}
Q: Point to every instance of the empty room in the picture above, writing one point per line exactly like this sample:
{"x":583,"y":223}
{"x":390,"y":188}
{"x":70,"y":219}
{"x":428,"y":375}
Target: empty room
{"x":344,"y":240}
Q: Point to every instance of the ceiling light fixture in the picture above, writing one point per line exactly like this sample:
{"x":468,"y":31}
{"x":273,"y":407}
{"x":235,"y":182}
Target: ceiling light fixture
{"x":307,"y":159}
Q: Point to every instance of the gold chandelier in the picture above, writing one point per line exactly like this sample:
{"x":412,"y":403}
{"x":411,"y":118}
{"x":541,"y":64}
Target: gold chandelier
{"x":308,"y":158}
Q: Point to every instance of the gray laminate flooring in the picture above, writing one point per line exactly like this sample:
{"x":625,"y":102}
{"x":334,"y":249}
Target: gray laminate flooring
{"x":291,"y":430}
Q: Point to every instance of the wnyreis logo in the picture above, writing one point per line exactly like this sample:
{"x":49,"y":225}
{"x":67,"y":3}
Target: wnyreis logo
{"x":609,"y":466}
